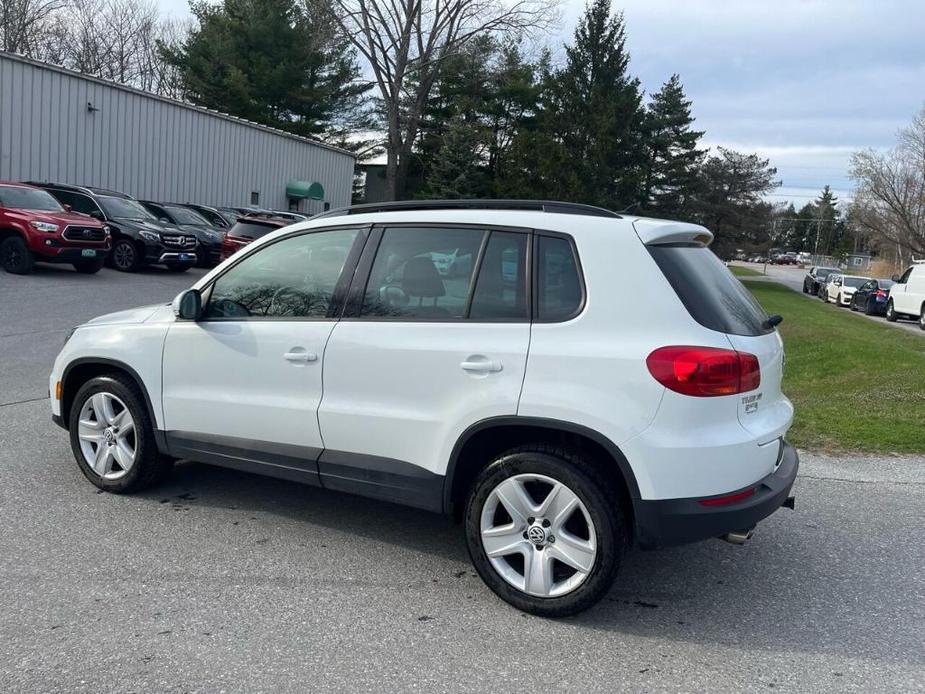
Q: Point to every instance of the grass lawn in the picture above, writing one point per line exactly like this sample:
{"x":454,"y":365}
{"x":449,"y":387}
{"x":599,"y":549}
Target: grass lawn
{"x":857,"y":385}
{"x":745,"y":271}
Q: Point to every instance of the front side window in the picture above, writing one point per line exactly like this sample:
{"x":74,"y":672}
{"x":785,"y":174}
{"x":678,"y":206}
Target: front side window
{"x":422,"y":273}
{"x":558,"y":281}
{"x":292,"y":278}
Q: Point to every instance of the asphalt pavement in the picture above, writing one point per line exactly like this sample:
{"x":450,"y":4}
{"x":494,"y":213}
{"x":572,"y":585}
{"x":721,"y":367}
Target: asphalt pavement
{"x":224,"y":581}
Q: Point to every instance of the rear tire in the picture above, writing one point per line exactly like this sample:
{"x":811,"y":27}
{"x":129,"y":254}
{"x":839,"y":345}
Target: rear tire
{"x":15,"y":256}
{"x":891,"y":312}
{"x":922,"y":317}
{"x":591,"y":533}
{"x":89,"y":267}
{"x":144,"y":465}
{"x":124,"y":256}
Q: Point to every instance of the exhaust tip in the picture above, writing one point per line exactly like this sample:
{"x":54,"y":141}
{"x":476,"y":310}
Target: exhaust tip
{"x":738,"y":537}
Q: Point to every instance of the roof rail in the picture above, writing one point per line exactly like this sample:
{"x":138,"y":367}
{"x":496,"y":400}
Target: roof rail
{"x":550,"y":206}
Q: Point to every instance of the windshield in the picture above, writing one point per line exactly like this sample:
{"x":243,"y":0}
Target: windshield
{"x":825,"y":271}
{"x":28,"y":199}
{"x":127,"y":209}
{"x":854,"y":281}
{"x":183,"y":215}
{"x":885,"y":284}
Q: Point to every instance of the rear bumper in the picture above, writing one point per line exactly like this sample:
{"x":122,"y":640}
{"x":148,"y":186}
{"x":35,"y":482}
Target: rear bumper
{"x":668,"y":522}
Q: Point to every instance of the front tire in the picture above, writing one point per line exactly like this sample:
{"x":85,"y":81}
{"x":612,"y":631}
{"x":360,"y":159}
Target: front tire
{"x":125,"y":257}
{"x":891,"y":312}
{"x":545,"y":530}
{"x":15,"y":256}
{"x":112,"y":436}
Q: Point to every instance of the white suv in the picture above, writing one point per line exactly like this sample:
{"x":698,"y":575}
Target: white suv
{"x":491,"y":360}
{"x":907,"y":295}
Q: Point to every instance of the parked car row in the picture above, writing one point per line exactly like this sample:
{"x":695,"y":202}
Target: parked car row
{"x":88,"y":227}
{"x":903,"y":296}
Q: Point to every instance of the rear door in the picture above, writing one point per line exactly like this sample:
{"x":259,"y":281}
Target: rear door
{"x":434,"y":339}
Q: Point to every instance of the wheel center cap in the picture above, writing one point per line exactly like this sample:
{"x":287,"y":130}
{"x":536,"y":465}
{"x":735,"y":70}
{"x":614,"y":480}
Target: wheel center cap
{"x":537,"y":535}
{"x":110,"y":437}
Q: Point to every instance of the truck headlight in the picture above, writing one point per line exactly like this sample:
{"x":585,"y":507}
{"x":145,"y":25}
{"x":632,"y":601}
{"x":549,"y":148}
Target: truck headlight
{"x":44,"y":226}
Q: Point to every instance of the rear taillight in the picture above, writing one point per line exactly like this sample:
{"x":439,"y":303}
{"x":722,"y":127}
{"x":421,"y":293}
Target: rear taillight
{"x":704,"y":371}
{"x":880,"y":293}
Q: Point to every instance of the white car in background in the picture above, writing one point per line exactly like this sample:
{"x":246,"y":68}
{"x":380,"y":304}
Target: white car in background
{"x":907,"y":296}
{"x":841,"y":288}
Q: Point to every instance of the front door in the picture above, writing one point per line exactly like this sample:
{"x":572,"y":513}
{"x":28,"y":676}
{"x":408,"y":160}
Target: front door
{"x":242,"y":385}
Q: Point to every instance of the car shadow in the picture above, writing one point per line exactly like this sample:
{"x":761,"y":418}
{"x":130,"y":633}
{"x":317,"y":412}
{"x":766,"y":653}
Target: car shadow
{"x":777,"y":593}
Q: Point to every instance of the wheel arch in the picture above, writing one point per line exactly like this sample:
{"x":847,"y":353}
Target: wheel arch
{"x":479,"y":443}
{"x":7,"y":231}
{"x":81,"y":370}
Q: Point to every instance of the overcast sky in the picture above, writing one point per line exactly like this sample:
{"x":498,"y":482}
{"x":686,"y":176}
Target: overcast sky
{"x":803,"y":82}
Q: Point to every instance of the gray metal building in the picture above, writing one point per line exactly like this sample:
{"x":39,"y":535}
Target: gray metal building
{"x":62,"y":126}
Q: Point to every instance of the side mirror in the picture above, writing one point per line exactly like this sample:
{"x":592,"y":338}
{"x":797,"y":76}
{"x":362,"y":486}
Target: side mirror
{"x":188,"y":305}
{"x":164,"y":220}
{"x":67,"y":208}
{"x":895,"y":278}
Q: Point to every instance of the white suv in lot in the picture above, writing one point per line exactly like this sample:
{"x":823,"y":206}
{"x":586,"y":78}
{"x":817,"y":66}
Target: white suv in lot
{"x":489,"y":360}
{"x":907,"y":295}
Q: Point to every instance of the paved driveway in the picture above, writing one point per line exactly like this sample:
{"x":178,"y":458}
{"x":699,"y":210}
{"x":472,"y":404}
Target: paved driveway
{"x":222,"y":581}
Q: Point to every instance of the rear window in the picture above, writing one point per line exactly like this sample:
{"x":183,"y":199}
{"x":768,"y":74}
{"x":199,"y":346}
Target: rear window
{"x":711,"y":294}
{"x":252,"y":230}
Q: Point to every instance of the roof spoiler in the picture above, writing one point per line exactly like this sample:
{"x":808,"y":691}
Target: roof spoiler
{"x":659,"y":231}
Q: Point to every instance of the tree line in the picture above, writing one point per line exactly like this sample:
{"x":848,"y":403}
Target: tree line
{"x":454,"y":92}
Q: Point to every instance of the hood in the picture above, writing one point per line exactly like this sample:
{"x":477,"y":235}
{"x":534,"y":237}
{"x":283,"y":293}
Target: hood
{"x":142,"y":314}
{"x":62,"y":219}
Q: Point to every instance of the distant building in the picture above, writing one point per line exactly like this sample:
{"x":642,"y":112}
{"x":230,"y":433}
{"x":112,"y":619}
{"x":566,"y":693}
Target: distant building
{"x":858,"y":261}
{"x":66,"y":127}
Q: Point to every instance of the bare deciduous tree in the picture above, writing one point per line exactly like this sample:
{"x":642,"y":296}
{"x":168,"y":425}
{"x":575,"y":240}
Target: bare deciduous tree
{"x":23,"y":24}
{"x":405,"y":42}
{"x":890,"y":195}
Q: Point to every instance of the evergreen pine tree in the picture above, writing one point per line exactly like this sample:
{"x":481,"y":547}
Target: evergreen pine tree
{"x":673,"y":155}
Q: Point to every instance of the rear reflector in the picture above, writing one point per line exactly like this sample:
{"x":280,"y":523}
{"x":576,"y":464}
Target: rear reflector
{"x":729,"y":498}
{"x":704,"y":371}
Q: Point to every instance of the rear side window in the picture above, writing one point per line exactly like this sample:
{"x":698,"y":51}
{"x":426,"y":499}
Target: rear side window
{"x":711,"y":294}
{"x":559,"y":291}
{"x":501,"y":287}
{"x":422,"y":273}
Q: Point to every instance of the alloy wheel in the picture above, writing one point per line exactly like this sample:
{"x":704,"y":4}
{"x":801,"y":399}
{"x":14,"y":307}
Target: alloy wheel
{"x":108,"y":439}
{"x":538,"y":535}
{"x":124,"y":256}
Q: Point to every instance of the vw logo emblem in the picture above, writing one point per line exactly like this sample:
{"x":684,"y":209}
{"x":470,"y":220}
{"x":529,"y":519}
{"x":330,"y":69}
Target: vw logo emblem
{"x":537,"y":535}
{"x":108,"y":435}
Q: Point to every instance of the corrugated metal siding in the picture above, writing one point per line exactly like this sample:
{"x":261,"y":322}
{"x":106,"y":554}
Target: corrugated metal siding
{"x":150,"y":147}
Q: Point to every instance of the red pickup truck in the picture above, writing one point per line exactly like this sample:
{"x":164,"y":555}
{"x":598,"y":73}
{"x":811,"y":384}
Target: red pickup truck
{"x":36,"y":227}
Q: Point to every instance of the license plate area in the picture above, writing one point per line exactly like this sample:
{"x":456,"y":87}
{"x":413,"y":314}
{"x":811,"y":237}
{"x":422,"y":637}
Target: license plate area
{"x":88,"y":253}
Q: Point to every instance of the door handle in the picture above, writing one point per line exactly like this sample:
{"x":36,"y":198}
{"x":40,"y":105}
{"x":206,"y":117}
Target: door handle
{"x":480,"y":364}
{"x":300,"y":355}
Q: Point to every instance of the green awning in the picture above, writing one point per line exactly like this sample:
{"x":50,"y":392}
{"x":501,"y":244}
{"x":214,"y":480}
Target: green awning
{"x":302,"y":190}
